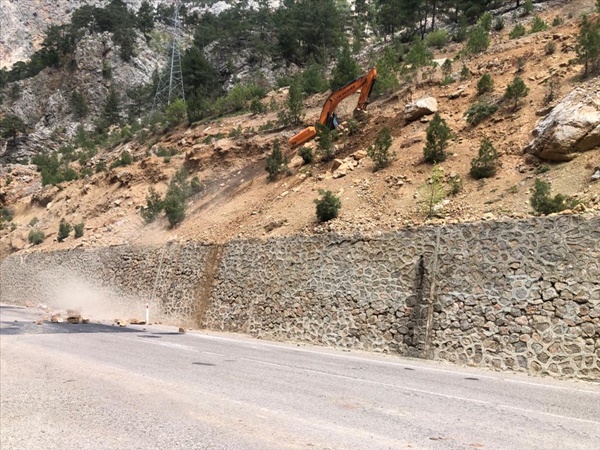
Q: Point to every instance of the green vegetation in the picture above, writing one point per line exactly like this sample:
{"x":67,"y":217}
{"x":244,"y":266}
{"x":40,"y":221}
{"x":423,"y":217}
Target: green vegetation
{"x":292,"y":114}
{"x":478,"y":40}
{"x":11,"y":126}
{"x":176,"y":197}
{"x":419,"y":55}
{"x":325,"y":143}
{"x":432,"y":192}
{"x":438,"y":137}
{"x":64,"y":230}
{"x":485,"y":21}
{"x":176,"y":112}
{"x":306,"y":154}
{"x":36,"y":237}
{"x":486,"y":162}
{"x":345,"y":71}
{"x":479,"y":111}
{"x":517,"y":32}
{"x":79,"y":105}
{"x":53,"y":170}
{"x":154,"y":206}
{"x":78,"y":228}
{"x":437,"y":39}
{"x":538,"y":25}
{"x":485,"y":84}
{"x":380,"y":152}
{"x":125,"y":159}
{"x":588,"y":45}
{"x":516,"y":91}
{"x":328,"y":206}
{"x":543,"y":203}
{"x":276,"y":163}
{"x":499,"y":24}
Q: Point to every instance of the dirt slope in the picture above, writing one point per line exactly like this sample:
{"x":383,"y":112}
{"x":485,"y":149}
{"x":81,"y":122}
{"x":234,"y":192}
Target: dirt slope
{"x":239,"y":202}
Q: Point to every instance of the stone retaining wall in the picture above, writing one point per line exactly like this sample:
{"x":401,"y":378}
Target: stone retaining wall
{"x":515,"y":295}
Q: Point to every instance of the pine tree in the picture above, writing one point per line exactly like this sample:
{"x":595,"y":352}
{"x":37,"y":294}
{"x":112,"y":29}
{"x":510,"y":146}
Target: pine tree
{"x":484,"y":166}
{"x":438,"y":137}
{"x":145,"y":17}
{"x":112,"y":105}
{"x":516,"y":91}
{"x":345,"y":71}
{"x":379,"y":152}
{"x":588,"y":44}
{"x":276,"y":163}
{"x":292,"y":115}
{"x":11,"y":126}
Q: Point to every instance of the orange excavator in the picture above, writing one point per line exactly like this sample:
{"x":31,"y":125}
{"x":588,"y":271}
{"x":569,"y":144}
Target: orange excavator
{"x":328,"y":118}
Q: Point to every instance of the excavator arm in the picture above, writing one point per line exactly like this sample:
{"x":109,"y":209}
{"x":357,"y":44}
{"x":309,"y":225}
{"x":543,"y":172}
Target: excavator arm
{"x":363,"y":84}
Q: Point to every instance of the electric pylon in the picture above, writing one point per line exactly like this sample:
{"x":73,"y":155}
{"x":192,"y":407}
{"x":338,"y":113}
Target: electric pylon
{"x":170,"y":85}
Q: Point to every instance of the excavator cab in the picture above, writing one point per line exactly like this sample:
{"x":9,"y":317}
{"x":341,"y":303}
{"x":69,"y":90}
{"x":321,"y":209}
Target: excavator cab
{"x":328,"y":117}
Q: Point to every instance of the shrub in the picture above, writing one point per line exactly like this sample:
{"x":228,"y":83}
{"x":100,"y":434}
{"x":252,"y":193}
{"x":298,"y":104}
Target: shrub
{"x":78,"y":228}
{"x":479,"y":111}
{"x":456,"y":184}
{"x":516,"y":91}
{"x":174,"y":203}
{"x":313,"y":80}
{"x":306,"y":154}
{"x":465,"y":73}
{"x":447,"y":67}
{"x":543,"y":203}
{"x":419,"y":55}
{"x":538,"y":25}
{"x":124,"y":160}
{"x":485,"y":21}
{"x":438,"y":137}
{"x":543,"y":168}
{"x":36,"y":237}
{"x":6,"y":214}
{"x":352,"y":126}
{"x":550,"y":48}
{"x":79,"y":105}
{"x":517,"y":32}
{"x":64,"y":229}
{"x":33,"y":222}
{"x":154,"y":206}
{"x":499,"y":24}
{"x":387,"y":66}
{"x":484,"y":165}
{"x":437,"y":39}
{"x":196,"y":185}
{"x":527,"y":7}
{"x":176,"y":112}
{"x":292,"y":114}
{"x":485,"y":84}
{"x":557,"y":21}
{"x":325,"y":146}
{"x":478,"y":40}
{"x":552,"y":90}
{"x":276,"y":162}
{"x":380,"y":152}
{"x":256,"y":107}
{"x":432,"y":192}
{"x":520,"y":64}
{"x":328,"y":206}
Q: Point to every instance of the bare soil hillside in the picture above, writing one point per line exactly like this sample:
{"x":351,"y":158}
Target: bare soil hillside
{"x":239,"y":202}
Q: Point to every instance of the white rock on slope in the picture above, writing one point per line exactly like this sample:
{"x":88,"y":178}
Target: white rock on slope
{"x":571,"y":128}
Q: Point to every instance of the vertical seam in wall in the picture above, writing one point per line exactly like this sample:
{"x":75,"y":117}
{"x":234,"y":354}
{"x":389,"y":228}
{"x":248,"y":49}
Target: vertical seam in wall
{"x":431,"y":298}
{"x":207,"y":282}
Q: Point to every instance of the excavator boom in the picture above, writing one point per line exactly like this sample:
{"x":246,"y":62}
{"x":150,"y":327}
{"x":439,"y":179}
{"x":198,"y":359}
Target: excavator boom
{"x":363,"y":84}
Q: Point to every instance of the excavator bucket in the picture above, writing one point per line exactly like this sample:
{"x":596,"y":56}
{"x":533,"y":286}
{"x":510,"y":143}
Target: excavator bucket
{"x":304,"y":136}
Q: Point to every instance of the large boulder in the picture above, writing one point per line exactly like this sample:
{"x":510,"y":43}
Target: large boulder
{"x":571,"y":128}
{"x":422,"y":107}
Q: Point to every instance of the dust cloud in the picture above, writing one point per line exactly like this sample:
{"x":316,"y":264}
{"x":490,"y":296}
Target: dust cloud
{"x":94,"y":301}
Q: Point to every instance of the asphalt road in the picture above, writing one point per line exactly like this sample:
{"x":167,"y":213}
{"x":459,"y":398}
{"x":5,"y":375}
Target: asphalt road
{"x":103,"y":387}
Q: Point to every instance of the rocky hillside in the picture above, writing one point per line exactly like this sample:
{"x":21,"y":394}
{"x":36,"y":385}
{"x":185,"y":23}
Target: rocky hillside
{"x":23,"y":24}
{"x":552,"y":134}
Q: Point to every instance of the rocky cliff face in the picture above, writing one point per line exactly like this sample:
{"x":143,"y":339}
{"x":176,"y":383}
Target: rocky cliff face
{"x":24,"y":22}
{"x":44,"y":100}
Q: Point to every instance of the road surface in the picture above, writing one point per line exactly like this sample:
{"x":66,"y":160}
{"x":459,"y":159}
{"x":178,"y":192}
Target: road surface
{"x":99,"y":386}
